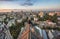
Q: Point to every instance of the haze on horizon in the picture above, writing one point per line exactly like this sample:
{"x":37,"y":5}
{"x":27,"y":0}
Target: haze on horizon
{"x":32,"y":4}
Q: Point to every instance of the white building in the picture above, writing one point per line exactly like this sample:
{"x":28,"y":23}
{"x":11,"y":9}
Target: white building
{"x":50,"y":35}
{"x":4,"y":32}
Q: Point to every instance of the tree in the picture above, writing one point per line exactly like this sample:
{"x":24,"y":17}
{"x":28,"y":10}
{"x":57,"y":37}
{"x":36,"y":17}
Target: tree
{"x":46,"y":16}
{"x":15,"y":29}
{"x":54,"y":18}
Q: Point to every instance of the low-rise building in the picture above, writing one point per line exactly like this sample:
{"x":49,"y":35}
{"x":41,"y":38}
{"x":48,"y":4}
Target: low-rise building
{"x":54,"y":34}
{"x":41,"y":14}
{"x":4,"y":32}
{"x":51,"y":13}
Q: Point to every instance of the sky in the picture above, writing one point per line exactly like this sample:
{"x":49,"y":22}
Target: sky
{"x":29,"y":4}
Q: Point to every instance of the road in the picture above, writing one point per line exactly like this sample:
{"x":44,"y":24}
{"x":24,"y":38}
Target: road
{"x":28,"y":34}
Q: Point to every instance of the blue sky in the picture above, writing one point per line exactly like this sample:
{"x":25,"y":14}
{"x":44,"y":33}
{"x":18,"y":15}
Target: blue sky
{"x":29,"y":4}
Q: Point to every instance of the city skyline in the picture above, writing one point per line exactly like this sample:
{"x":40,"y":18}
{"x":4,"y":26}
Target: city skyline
{"x":35,"y":4}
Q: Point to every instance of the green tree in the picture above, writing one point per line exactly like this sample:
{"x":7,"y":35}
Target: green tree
{"x":46,"y":16}
{"x":54,"y":18}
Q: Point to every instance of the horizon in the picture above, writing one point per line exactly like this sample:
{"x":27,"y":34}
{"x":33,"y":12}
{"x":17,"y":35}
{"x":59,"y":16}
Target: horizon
{"x":15,"y":10}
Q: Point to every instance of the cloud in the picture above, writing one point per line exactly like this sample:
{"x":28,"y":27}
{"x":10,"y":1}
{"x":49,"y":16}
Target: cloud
{"x":7,"y":0}
{"x":27,"y":2}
